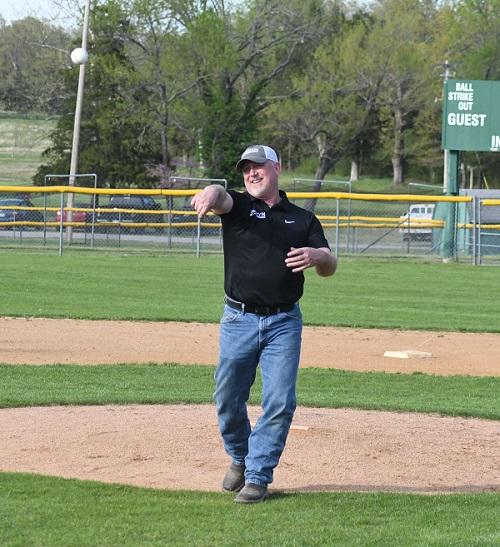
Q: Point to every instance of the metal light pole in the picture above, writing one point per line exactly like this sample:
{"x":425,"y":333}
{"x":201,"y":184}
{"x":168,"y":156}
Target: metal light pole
{"x":79,"y":57}
{"x":446,"y":76}
{"x":450,"y":188}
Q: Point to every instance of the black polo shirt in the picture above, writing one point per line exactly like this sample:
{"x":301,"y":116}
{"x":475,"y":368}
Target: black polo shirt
{"x":256,"y":240}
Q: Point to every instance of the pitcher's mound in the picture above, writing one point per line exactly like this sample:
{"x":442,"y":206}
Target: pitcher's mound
{"x":178,"y":447}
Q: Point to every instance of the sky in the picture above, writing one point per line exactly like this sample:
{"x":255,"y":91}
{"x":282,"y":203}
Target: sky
{"x":11,"y":10}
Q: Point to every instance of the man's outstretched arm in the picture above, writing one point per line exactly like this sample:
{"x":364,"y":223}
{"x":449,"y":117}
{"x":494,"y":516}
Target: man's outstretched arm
{"x":212,"y":198}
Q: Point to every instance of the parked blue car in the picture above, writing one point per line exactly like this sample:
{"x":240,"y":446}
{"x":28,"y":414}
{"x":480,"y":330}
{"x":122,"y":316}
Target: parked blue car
{"x":20,"y":213}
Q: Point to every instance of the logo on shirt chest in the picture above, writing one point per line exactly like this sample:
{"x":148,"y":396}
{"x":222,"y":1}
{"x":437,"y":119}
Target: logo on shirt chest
{"x":258,"y":214}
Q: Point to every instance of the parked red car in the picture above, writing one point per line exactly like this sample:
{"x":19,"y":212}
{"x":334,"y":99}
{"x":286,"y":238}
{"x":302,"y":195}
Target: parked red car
{"x":77,"y":216}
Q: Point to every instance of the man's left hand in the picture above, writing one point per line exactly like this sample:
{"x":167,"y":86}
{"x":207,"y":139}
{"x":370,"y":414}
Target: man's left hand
{"x":301,"y":259}
{"x":306,"y":257}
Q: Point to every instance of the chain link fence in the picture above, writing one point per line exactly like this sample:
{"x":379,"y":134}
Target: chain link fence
{"x":463,"y":228}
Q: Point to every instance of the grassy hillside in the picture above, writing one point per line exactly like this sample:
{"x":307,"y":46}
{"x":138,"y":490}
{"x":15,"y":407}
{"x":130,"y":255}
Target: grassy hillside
{"x":22,"y":141}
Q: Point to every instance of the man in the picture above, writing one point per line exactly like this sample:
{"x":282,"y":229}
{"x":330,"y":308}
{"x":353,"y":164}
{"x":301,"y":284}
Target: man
{"x":268,"y":243}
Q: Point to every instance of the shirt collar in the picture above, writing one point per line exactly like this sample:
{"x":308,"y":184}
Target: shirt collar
{"x":284,"y":203}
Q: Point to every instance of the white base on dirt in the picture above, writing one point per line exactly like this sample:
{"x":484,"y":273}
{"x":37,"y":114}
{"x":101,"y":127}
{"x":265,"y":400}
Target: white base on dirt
{"x":408,"y":354}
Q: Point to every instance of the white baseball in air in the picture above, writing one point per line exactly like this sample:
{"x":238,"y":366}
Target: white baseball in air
{"x":79,"y":56}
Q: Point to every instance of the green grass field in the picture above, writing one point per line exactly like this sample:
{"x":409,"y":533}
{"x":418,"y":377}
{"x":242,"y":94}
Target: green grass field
{"x":364,"y":293}
{"x":57,"y":512}
{"x":465,"y":396}
{"x":386,"y":293}
{"x":48,"y":511}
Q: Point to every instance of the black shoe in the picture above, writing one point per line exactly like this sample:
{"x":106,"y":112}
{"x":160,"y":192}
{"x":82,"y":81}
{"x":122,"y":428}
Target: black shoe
{"x":234,"y":480}
{"x":252,"y":493}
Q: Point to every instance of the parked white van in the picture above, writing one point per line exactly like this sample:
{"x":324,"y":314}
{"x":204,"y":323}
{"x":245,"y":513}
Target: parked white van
{"x":413,"y":224}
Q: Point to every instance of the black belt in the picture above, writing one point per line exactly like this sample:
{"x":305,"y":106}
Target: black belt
{"x":258,"y":310}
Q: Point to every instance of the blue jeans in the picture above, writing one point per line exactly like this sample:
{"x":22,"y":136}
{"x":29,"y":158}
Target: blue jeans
{"x":246,"y":341}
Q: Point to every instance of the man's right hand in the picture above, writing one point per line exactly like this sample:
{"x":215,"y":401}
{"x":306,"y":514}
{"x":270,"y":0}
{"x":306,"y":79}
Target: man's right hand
{"x":212,"y":198}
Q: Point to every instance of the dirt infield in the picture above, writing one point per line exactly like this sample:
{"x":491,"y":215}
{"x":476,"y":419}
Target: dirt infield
{"x":178,"y":447}
{"x":49,"y":341}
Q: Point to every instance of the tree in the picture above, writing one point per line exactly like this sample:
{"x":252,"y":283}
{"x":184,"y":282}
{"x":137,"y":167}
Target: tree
{"x":400,"y":56}
{"x":31,"y":55}
{"x":115,"y":141}
{"x":332,"y":109}
{"x":157,"y":46}
{"x":239,"y":57}
{"x":475,"y":36}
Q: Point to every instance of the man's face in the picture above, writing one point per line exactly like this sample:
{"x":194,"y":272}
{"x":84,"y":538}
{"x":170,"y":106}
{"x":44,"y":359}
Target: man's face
{"x":261,"y":180}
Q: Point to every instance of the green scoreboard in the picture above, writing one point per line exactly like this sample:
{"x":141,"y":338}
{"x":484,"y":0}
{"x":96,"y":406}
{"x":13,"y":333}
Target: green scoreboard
{"x":471,"y":115}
